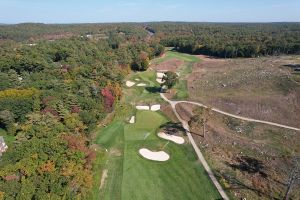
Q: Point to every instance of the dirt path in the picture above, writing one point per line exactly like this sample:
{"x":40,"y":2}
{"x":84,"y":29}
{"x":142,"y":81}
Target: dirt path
{"x":196,"y":148}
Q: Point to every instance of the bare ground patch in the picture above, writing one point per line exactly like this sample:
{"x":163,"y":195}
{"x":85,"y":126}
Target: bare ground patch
{"x":168,"y":65}
{"x":253,"y":161}
{"x":259,"y":88}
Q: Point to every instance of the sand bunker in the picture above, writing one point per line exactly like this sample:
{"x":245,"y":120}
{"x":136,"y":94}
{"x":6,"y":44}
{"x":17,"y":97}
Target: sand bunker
{"x":137,"y":79}
{"x":160,"y":75}
{"x":155,"y":107}
{"x":132,"y":120}
{"x":130,"y":83}
{"x":159,"y":80}
{"x":141,"y":84}
{"x":173,"y":138}
{"x":153,"y":155}
{"x":143,"y":107}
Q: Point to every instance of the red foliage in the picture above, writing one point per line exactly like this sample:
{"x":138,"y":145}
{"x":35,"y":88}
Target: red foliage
{"x":109,"y":99}
{"x":75,"y":109}
{"x":50,"y":110}
{"x":77,"y":143}
{"x":11,"y":177}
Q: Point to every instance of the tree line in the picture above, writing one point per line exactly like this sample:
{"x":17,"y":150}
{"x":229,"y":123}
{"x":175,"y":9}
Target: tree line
{"x":230,"y":40}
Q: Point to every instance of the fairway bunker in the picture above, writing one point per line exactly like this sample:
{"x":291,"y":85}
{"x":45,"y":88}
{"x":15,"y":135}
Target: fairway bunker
{"x":160,"y":76}
{"x":132,"y":120}
{"x":154,"y":155}
{"x":130,"y":83}
{"x":155,"y":107}
{"x":141,"y":85}
{"x":173,"y":138}
{"x":143,"y":107}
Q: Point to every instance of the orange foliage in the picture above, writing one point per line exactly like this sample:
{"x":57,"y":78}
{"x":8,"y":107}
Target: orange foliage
{"x":49,"y":166}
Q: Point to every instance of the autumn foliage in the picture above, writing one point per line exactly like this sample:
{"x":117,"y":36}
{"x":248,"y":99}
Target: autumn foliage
{"x":109,"y":99}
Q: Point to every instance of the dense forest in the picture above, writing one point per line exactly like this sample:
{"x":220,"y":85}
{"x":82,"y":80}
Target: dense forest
{"x":230,"y":40}
{"x":52,"y":95}
{"x":57,"y":82}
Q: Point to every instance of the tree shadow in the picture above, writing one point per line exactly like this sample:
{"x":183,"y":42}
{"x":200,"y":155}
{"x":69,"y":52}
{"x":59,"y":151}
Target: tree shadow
{"x":236,"y":184}
{"x":172,"y":127}
{"x":249,"y":165}
{"x":153,"y":89}
{"x":294,"y":66}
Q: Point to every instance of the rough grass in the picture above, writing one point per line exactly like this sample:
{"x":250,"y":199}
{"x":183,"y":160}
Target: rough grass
{"x":260,"y":88}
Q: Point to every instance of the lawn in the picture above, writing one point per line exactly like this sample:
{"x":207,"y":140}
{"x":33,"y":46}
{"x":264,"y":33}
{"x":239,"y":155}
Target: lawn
{"x":132,"y":177}
{"x":182,"y":177}
{"x":140,"y":95}
{"x":170,"y":54}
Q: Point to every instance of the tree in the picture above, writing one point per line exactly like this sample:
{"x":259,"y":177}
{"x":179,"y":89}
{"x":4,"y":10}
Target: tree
{"x":201,"y":118}
{"x":169,"y":79}
{"x":7,"y":121}
{"x":293,"y":177}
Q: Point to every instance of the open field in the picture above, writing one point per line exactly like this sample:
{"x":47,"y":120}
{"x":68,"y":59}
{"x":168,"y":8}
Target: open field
{"x":251,"y":160}
{"x":260,"y":88}
{"x":129,"y":176}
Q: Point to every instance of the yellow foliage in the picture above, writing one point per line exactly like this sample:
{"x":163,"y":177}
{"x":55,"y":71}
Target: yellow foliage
{"x":2,"y":195}
{"x":116,"y":89}
{"x":70,"y":169}
{"x":15,"y":93}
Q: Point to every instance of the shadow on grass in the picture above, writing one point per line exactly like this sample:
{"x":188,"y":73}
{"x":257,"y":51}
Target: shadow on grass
{"x":172,"y":127}
{"x":153,"y":89}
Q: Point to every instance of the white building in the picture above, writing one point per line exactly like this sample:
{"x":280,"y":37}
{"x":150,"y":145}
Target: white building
{"x":3,"y":146}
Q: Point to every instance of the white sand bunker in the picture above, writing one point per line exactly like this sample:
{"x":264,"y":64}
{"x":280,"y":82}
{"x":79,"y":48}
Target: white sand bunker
{"x":132,"y":120}
{"x":155,"y":107}
{"x":154,"y":155}
{"x":159,"y":80}
{"x":130,"y":83}
{"x":143,"y":107}
{"x":141,"y":84}
{"x":173,"y":138}
{"x":159,"y":76}
{"x":137,"y":79}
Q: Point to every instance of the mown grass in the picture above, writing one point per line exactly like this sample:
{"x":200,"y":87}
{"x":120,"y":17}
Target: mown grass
{"x":132,"y":177}
{"x":144,"y":179}
{"x":139,"y":95}
{"x":170,"y":54}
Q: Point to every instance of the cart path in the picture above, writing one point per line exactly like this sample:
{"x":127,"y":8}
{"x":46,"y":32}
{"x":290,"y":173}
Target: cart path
{"x":231,"y":115}
{"x":196,"y":148}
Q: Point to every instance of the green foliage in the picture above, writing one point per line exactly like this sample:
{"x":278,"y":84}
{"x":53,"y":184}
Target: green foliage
{"x":230,"y":40}
{"x":51,"y":91}
{"x":170,"y":79}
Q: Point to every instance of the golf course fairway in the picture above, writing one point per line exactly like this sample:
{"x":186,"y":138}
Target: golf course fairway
{"x":132,"y":177}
